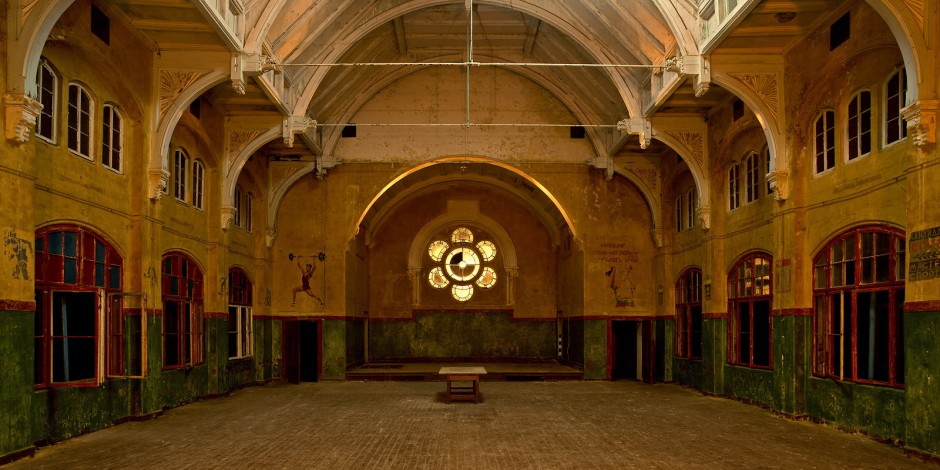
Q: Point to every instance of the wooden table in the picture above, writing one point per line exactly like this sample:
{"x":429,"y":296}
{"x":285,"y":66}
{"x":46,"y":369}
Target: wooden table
{"x":463,"y":374}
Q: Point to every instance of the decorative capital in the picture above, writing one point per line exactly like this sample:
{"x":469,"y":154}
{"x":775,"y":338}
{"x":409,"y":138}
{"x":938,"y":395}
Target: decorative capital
{"x":228,"y":215}
{"x":158,"y":180}
{"x":638,"y":126}
{"x":21,"y":113}
{"x":269,"y":236}
{"x":325,"y":163}
{"x":701,"y":88}
{"x":295,"y":124}
{"x":704,"y":216}
{"x":921,"y":117}
{"x":658,"y":237}
{"x":238,"y":84}
{"x":778,"y":180}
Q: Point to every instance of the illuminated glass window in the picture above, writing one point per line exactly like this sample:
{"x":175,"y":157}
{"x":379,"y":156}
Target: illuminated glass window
{"x":436,"y":250}
{"x":462,"y":235}
{"x":462,"y":264}
{"x":487,"y":249}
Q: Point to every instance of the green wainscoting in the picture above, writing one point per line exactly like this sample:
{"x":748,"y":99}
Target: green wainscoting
{"x":922,"y":380}
{"x":16,"y":377}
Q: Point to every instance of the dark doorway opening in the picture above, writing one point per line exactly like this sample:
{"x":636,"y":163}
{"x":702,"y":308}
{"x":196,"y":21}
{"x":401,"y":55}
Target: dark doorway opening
{"x":301,"y":351}
{"x":625,"y":357}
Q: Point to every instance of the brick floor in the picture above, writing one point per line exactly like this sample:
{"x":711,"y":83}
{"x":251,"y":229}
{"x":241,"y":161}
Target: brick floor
{"x":400,"y":425}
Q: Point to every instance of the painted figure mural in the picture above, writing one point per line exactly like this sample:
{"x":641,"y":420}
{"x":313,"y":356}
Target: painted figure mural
{"x":306,"y":272}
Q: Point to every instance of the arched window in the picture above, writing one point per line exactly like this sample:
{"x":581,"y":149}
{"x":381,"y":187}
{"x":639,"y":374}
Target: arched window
{"x":79,"y":120}
{"x":858,"y":299}
{"x":47,"y":84}
{"x":112,"y":138}
{"x":180,"y":165}
{"x":749,"y":305}
{"x":689,"y":314}
{"x":692,"y":201}
{"x":895,"y":101}
{"x":824,"y":146}
{"x":183,"y":329}
{"x":859,"y":125}
{"x":199,"y":183}
{"x":734,"y":183}
{"x":241,"y":341}
{"x":76,"y":273}
{"x":751,"y":177}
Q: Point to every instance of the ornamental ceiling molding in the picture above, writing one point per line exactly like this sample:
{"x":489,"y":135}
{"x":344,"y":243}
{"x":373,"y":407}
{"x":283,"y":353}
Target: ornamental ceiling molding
{"x":764,"y":85}
{"x":25,"y":8}
{"x":237,"y":140}
{"x":282,"y":172}
{"x":917,"y":10}
{"x":694,"y":142}
{"x":648,"y":176}
{"x":173,"y":83}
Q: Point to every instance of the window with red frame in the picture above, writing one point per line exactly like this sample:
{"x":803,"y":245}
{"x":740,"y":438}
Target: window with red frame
{"x":858,"y":324}
{"x":75,"y":270}
{"x":749,"y":303}
{"x":240,"y":323}
{"x":689,"y":314}
{"x":183,"y":329}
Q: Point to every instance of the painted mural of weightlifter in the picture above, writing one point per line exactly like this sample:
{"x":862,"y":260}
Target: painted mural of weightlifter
{"x":306,"y":272}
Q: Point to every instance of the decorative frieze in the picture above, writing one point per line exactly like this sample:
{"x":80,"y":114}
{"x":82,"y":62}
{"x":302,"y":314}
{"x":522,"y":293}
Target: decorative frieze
{"x":649,"y":177}
{"x":173,"y":83}
{"x":237,"y":140}
{"x":695,"y":142}
{"x":764,"y":85}
{"x":21,"y":113}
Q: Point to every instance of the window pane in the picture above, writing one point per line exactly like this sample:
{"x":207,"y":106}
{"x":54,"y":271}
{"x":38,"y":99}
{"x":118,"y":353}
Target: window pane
{"x":744,"y":332}
{"x":762,"y":333}
{"x":873,"y":336}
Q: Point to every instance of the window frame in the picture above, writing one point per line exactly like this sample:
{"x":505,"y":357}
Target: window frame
{"x":83,"y":121}
{"x":199,"y":184}
{"x":189,"y":297}
{"x":734,"y":186}
{"x":765,"y":155}
{"x":240,"y":316}
{"x":97,"y":270}
{"x":751,"y":178}
{"x":688,"y":290}
{"x":180,"y":183}
{"x":679,"y":205}
{"x":841,"y":361}
{"x":53,"y":100}
{"x":237,"y":219}
{"x":854,"y":126}
{"x":249,"y":208}
{"x":692,"y":202}
{"x":110,"y":114}
{"x":887,"y":117}
{"x":750,"y":295}
{"x":828,"y":155}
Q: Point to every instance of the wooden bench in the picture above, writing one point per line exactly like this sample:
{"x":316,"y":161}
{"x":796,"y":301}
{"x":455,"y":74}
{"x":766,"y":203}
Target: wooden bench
{"x":469,"y":375}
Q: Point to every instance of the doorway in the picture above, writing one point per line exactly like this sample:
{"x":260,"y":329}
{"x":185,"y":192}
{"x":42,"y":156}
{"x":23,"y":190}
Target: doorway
{"x":301,"y":351}
{"x":625,"y":354}
{"x":633,"y":354}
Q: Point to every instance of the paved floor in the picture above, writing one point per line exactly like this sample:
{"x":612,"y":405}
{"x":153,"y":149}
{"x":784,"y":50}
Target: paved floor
{"x":519,"y":425}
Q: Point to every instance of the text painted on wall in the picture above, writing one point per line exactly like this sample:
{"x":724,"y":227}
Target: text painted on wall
{"x":925,"y":254}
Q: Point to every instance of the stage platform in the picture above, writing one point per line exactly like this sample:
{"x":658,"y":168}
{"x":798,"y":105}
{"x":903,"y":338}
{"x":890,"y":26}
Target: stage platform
{"x":495,"y":371}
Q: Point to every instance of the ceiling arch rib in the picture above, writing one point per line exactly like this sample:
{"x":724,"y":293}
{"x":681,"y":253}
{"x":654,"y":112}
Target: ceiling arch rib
{"x":342,"y":36}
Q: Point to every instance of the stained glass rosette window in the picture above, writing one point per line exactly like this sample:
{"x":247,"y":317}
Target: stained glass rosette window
{"x":463,"y":264}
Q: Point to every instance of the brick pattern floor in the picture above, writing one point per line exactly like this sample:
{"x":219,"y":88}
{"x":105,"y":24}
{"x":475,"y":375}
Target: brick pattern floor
{"x":519,"y":425}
